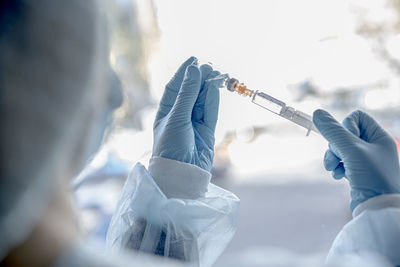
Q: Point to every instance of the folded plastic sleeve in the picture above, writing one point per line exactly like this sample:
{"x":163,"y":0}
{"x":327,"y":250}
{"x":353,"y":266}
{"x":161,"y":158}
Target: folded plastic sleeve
{"x":193,"y":224}
{"x":179,"y":179}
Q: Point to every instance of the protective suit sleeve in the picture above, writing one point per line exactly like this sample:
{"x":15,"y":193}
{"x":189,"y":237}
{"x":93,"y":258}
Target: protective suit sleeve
{"x":189,"y":223}
{"x":377,"y":203}
{"x":374,"y":231}
{"x":177,"y":179}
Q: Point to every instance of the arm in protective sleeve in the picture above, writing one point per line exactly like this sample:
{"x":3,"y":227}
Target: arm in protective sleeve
{"x":173,"y":211}
{"x":374,"y":232}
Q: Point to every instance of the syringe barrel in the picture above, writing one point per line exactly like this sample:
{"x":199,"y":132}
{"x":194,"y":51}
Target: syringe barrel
{"x":299,"y":117}
{"x":268,"y":102}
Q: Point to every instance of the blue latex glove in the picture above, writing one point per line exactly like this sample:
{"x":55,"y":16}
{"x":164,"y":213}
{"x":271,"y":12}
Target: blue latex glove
{"x":185,"y":123}
{"x":361,"y":151}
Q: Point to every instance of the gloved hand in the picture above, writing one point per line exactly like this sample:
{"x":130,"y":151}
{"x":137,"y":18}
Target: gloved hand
{"x":185,"y":123}
{"x":361,"y":151}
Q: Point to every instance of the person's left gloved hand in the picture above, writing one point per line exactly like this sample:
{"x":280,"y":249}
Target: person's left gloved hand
{"x":363,"y":152}
{"x":185,"y":122}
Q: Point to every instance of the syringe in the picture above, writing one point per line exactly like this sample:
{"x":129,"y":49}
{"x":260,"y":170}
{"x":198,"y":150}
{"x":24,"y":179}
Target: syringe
{"x":270,"y":103}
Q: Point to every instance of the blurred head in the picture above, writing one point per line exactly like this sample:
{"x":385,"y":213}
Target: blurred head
{"x":57,"y":95}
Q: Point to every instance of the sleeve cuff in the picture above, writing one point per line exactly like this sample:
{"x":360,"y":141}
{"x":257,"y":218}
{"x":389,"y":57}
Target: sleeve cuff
{"x":377,"y":203}
{"x":178,"y":179}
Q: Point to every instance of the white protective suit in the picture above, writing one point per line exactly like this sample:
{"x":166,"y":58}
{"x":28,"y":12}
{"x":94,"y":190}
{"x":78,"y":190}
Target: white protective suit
{"x":374,"y":230}
{"x":156,"y":215}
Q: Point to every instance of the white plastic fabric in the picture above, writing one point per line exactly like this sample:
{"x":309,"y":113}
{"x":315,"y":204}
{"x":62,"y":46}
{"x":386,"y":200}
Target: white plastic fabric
{"x":348,"y":249}
{"x":374,"y":231}
{"x":92,"y":254}
{"x":194,"y":230}
{"x":197,"y":230}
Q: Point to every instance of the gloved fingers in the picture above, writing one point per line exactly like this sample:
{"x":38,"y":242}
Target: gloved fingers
{"x":198,"y":110}
{"x":211,"y":105}
{"x":205,"y":70}
{"x":364,"y":126}
{"x":188,"y":93}
{"x":172,"y":89}
{"x":339,"y":137}
{"x":331,"y":161}
{"x":205,"y":137}
{"x":350,"y":124}
{"x":334,"y":150}
{"x":339,"y":172}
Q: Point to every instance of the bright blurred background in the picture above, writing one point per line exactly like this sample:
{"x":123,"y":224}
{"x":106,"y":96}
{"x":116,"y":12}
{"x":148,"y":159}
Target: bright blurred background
{"x":338,"y":55}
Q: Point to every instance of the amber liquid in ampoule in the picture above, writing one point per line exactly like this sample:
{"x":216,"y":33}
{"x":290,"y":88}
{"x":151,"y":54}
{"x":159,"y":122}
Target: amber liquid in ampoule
{"x":241,"y":89}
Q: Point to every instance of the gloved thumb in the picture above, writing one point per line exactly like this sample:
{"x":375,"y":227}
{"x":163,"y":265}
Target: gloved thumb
{"x":340,"y":138}
{"x":190,"y":88}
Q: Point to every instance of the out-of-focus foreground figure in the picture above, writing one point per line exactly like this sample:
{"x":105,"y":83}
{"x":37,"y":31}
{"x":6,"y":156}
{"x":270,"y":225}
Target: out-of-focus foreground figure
{"x":56,"y":100}
{"x":58,"y":93}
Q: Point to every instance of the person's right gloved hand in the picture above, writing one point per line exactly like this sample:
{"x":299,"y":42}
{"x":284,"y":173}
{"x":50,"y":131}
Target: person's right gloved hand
{"x":361,"y":151}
